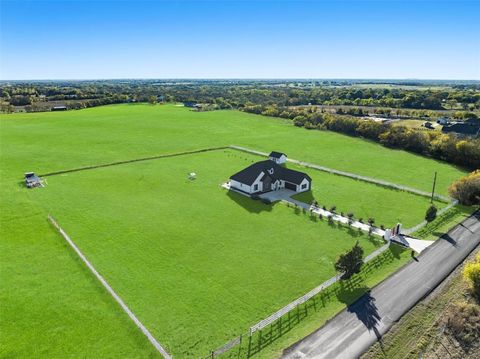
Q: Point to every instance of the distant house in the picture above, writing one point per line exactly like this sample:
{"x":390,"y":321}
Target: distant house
{"x":59,"y":108}
{"x":443,"y":121}
{"x":266,"y":176}
{"x":277,"y":157}
{"x":470,"y":128}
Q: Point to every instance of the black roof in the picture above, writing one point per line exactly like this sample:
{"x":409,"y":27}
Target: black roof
{"x":250,"y":174}
{"x":463,"y":128}
{"x":32,"y":178}
{"x":275,"y":154}
{"x":472,"y":121}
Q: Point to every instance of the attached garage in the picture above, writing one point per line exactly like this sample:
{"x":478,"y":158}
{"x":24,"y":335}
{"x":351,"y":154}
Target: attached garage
{"x":265,"y":176}
{"x":291,"y":186}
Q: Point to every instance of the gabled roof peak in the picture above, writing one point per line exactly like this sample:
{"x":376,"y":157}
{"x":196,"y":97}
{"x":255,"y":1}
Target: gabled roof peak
{"x":251,"y":173}
{"x":276,"y":154}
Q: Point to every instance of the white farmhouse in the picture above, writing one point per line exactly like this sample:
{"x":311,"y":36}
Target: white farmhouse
{"x":277,"y":157}
{"x":265,"y":176}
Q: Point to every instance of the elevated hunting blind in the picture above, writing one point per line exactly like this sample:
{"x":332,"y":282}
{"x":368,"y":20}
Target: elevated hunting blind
{"x":32,"y":180}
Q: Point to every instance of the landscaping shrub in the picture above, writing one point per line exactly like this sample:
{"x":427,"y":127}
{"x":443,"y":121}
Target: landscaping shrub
{"x":467,"y":189}
{"x":471,"y":274}
{"x":431,"y":213}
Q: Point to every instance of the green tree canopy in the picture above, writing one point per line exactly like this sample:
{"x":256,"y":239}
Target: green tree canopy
{"x":350,"y":262}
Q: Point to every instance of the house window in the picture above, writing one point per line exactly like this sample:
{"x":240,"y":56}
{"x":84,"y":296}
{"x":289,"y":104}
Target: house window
{"x":304,"y":186}
{"x":255,"y":188}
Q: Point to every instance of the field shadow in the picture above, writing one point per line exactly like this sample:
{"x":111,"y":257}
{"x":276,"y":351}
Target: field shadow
{"x":352,"y":231}
{"x":449,"y":239}
{"x":374,"y":239}
{"x":367,"y":312}
{"x":396,"y":251}
{"x":346,"y":291}
{"x":476,"y":214}
{"x":249,"y":204}
{"x":306,"y":197}
{"x":364,"y":307}
{"x":353,"y":292}
{"x":433,"y":227}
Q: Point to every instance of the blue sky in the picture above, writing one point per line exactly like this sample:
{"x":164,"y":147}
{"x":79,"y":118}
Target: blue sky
{"x":233,"y":39}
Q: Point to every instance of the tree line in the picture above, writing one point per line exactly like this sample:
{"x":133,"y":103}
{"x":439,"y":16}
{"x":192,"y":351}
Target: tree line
{"x":240,"y":93}
{"x":447,"y":147}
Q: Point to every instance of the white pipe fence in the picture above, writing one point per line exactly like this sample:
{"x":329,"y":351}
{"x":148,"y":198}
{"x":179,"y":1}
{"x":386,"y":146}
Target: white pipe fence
{"x":227,"y":346}
{"x":269,"y":320}
{"x":291,"y":306}
{"x":424,"y":223}
{"x":110,"y":290}
{"x":278,"y":314}
{"x":348,"y":174}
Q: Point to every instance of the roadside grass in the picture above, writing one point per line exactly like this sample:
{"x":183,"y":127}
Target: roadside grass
{"x":443,"y":223}
{"x":196,"y":263}
{"x":419,"y":332}
{"x":417,"y":329}
{"x":272,"y":340}
{"x":51,"y":307}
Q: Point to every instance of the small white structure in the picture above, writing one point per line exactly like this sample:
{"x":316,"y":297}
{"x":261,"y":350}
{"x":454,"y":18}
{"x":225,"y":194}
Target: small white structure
{"x":277,"y":157}
{"x":266,"y":176}
{"x":192,"y":176}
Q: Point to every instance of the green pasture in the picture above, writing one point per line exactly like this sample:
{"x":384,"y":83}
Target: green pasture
{"x":197,"y":264}
{"x":164,"y":242}
{"x":120,"y":132}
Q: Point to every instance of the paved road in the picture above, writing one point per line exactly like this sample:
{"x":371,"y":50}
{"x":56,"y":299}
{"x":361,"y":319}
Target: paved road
{"x":356,"y":328}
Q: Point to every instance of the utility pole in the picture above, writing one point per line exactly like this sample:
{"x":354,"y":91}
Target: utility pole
{"x":433,"y":189}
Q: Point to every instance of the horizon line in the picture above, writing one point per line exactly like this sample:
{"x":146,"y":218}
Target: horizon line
{"x":245,"y":79}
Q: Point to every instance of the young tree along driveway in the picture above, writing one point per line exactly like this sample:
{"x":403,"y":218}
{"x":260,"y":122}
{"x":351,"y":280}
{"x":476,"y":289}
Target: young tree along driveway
{"x":351,"y":333}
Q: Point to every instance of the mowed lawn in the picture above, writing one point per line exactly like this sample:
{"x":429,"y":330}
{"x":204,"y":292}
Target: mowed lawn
{"x":366,"y":200}
{"x":198,"y":264}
